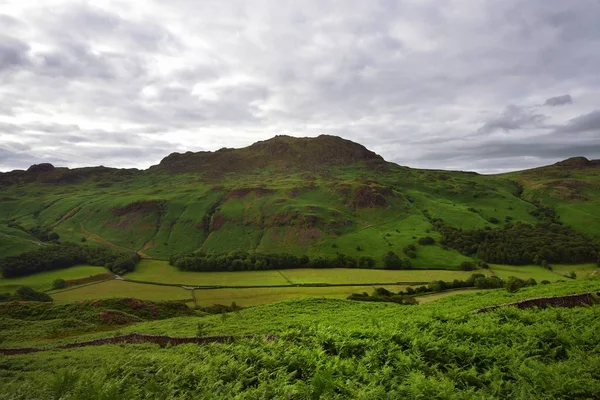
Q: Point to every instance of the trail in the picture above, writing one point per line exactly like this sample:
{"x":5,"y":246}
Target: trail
{"x":136,"y":338}
{"x":20,"y":238}
{"x":285,"y":277}
{"x":98,"y":239}
{"x":65,"y":217}
{"x":292,"y":285}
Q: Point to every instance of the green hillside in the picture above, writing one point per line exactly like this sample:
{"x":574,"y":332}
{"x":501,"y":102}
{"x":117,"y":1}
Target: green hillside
{"x":304,"y":196}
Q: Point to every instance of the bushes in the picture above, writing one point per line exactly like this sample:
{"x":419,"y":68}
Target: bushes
{"x":520,"y":244}
{"x":59,"y":284}
{"x":384,"y":295}
{"x":242,"y":261}
{"x":392,"y":261}
{"x":25,"y":293}
{"x":66,"y":255}
{"x":467,"y":266}
{"x":513,"y":284}
{"x":427,"y":240}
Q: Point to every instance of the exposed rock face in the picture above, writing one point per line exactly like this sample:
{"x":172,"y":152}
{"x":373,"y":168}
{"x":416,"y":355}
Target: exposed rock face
{"x":577,"y":162}
{"x":37,"y":168}
{"x":282,"y":153}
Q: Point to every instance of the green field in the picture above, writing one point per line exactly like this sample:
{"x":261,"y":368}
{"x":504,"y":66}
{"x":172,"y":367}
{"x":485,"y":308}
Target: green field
{"x":162,"y":272}
{"x":43,"y":280}
{"x":204,"y":297}
{"x":117,"y":288}
{"x":535,"y":272}
{"x":582,"y":270}
{"x":351,"y":275}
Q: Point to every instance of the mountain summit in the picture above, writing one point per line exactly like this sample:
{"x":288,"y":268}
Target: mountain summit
{"x":280,"y":152}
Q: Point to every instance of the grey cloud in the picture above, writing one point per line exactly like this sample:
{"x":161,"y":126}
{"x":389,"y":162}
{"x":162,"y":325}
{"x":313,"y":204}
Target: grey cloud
{"x":13,"y":53}
{"x":584,"y":123}
{"x":404,"y":78}
{"x":513,"y":118}
{"x":559,"y":100}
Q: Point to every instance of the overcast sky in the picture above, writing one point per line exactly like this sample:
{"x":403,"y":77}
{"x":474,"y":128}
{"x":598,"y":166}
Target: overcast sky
{"x":487,"y":86}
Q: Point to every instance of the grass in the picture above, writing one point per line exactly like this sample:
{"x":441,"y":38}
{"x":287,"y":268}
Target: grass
{"x":162,"y":272}
{"x":44,"y":280}
{"x":428,"y":298}
{"x":351,"y":275}
{"x":325,"y":348}
{"x":260,"y":296}
{"x":529,"y":271}
{"x":582,"y":270}
{"x":118,"y":288}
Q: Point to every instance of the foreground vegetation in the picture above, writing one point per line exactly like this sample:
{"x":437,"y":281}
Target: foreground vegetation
{"x":345,"y":350}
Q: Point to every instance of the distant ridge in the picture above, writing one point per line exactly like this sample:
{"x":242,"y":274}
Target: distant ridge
{"x":280,"y":152}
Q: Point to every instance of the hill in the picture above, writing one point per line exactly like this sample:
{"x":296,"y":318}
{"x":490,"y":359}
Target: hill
{"x":304,"y":196}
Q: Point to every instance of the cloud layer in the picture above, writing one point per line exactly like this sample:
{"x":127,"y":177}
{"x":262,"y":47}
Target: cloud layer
{"x":487,"y":86}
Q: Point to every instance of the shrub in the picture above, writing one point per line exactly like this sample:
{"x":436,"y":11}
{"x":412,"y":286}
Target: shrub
{"x":427,"y":240}
{"x":545,"y":282}
{"x":26,"y":293}
{"x":467,"y":266}
{"x":59,"y":284}
{"x":530,"y":282}
{"x":513,"y":284}
{"x":392,"y":261}
{"x":411,"y":254}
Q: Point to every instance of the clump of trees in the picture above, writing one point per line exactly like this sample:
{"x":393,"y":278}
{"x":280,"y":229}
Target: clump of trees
{"x":385,"y":296}
{"x":25,"y":293}
{"x":404,"y":296}
{"x":427,"y":240}
{"x":243,"y":261}
{"x":58,"y":256}
{"x":513,"y":284}
{"x":392,"y":261}
{"x":520,"y":243}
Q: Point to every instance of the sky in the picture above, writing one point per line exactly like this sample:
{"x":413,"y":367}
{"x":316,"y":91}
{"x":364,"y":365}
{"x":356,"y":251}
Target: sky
{"x":486,"y":86}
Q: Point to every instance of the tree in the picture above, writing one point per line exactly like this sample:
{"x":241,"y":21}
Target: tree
{"x":26,"y":293}
{"x":53,"y":237}
{"x":59,"y":284}
{"x":427,"y":240}
{"x":392,"y":261}
{"x":467,"y":266}
{"x":513,"y":284}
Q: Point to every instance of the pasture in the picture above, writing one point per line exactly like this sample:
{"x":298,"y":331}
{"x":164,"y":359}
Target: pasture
{"x":44,"y":280}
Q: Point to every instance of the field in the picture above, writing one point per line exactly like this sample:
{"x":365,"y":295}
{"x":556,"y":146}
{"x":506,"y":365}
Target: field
{"x":162,"y":272}
{"x":536,"y":272}
{"x":328,"y":349}
{"x":205,"y":297}
{"x":117,"y":288}
{"x":43,"y":280}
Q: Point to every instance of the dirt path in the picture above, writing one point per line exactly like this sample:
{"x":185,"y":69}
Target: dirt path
{"x":20,"y":238}
{"x":135,"y":338}
{"x":146,"y":246}
{"x":65,"y":217}
{"x":98,"y":239}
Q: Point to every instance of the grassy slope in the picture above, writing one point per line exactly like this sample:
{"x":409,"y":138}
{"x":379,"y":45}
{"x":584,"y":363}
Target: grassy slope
{"x":295,"y":209}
